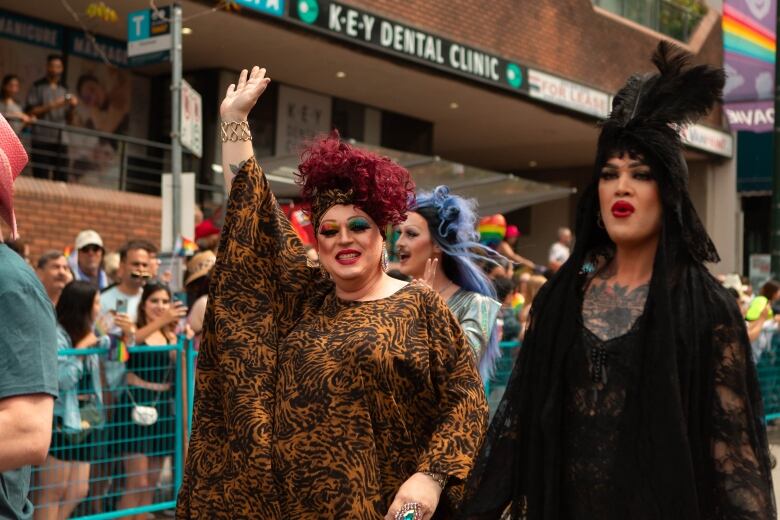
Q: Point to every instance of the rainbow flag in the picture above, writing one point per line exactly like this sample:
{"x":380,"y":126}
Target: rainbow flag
{"x":518,"y":301}
{"x":117,"y":351}
{"x":185,"y":246}
{"x":117,"y":348}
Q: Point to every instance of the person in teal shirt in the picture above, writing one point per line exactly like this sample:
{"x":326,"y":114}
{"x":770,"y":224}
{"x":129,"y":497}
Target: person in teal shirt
{"x":28,"y":353}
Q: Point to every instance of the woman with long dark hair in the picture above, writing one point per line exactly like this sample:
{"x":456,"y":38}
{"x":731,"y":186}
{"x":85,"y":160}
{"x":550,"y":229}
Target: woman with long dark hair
{"x":634,"y":395}
{"x":63,"y":480}
{"x":438,"y":243}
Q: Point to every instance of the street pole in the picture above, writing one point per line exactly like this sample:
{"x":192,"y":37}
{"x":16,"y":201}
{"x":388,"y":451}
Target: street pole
{"x":176,"y":122}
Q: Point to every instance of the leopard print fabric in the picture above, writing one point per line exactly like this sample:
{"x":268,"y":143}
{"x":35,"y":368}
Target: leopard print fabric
{"x":308,"y":406}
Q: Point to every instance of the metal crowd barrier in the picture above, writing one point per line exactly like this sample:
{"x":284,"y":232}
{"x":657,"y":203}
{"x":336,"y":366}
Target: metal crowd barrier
{"x":768,"y":368}
{"x":494,"y":388}
{"x":120,"y":467}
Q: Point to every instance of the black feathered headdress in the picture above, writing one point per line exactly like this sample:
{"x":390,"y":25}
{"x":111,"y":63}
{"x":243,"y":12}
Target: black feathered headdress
{"x":647,"y":115}
{"x":691,"y":344}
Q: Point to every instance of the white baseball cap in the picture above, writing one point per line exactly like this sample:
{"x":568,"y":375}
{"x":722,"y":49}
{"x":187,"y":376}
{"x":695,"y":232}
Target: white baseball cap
{"x":88,"y":237}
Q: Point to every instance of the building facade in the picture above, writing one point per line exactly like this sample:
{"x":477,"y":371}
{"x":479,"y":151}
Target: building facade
{"x":509,"y":87}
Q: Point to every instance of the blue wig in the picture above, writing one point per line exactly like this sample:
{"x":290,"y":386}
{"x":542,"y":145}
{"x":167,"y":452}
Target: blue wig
{"x":452,"y":221}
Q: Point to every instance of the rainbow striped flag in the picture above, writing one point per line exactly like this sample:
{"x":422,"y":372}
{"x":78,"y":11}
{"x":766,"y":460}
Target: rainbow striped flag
{"x":185,"y":246}
{"x":518,"y":301}
{"x":117,"y":351}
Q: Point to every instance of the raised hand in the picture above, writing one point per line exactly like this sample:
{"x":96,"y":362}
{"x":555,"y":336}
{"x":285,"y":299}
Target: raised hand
{"x":430,"y":272}
{"x":241,"y":98}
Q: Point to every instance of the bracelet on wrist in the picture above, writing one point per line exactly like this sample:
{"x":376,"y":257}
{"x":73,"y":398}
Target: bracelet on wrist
{"x":235,"y":131}
{"x":440,"y":478}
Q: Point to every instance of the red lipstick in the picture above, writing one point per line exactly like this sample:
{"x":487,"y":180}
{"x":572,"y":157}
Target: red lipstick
{"x":347,"y":256}
{"x":622,"y":209}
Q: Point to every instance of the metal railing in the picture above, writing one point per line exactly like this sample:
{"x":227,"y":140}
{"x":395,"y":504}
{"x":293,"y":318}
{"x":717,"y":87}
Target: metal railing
{"x":112,"y":161}
{"x":119,"y":466}
{"x":768,"y":368}
{"x":665,"y":16}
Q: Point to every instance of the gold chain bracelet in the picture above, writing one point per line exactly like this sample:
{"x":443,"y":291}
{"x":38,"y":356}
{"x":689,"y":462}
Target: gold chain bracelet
{"x":235,"y":131}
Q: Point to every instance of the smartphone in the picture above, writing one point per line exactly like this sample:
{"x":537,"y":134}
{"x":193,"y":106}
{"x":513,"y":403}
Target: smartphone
{"x":180,"y":296}
{"x":121,"y":306}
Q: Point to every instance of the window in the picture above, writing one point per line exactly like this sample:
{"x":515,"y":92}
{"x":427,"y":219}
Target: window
{"x":349,"y":119}
{"x":407,"y":134}
{"x":675,"y":18}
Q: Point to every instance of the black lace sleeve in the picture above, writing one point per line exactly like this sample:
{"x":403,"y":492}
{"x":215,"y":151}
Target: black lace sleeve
{"x":739,"y":447}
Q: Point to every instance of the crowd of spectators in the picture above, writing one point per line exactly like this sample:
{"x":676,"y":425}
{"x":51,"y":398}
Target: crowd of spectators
{"x":95,"y":434}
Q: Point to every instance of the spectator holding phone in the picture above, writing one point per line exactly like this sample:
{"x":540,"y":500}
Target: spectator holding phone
{"x":145,"y":442}
{"x":134,"y":271}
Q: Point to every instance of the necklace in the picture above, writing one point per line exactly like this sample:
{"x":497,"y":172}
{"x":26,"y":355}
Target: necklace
{"x":443,"y":289}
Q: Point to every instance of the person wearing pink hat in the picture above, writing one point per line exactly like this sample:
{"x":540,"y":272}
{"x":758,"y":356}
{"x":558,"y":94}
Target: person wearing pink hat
{"x":28,"y":350}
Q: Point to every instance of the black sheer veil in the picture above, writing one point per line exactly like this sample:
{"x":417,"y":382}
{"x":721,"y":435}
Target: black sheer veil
{"x":695,"y":444}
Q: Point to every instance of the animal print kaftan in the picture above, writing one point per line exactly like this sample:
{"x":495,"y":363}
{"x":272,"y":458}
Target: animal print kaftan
{"x":308,"y":406}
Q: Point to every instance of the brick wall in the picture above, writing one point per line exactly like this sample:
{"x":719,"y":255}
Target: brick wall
{"x":50,"y":214}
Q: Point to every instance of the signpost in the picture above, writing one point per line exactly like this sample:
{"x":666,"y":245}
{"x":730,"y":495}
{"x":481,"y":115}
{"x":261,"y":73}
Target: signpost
{"x":152,"y":34}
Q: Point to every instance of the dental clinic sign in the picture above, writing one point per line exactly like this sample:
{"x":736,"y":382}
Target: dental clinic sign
{"x":409,"y":42}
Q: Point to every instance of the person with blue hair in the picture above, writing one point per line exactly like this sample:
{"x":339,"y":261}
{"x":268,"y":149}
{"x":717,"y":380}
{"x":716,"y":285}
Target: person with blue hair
{"x":440,"y":231}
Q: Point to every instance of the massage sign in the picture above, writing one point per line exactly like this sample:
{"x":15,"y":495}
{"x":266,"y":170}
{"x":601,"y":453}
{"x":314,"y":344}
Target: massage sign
{"x":374,"y":31}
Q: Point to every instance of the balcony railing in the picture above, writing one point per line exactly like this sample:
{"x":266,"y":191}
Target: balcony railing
{"x":89,"y":157}
{"x":673,"y":18}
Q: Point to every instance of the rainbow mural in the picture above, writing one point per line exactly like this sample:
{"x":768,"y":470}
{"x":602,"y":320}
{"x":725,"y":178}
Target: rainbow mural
{"x":744,"y":36}
{"x":749,"y":49}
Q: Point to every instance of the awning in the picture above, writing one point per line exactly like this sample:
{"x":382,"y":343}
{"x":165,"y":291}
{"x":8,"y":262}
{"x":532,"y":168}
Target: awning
{"x":495,"y":192}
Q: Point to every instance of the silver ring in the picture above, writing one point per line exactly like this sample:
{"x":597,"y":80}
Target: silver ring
{"x":409,"y":511}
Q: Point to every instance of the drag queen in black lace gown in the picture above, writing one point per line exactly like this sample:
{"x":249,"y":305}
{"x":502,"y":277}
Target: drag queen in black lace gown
{"x":634,"y":396}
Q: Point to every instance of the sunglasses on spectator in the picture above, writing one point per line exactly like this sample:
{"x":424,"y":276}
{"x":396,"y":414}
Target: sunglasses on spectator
{"x":92,"y":248}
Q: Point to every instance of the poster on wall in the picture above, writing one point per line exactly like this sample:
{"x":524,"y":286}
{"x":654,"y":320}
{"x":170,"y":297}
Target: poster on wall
{"x":301,"y":115}
{"x":104,"y":94}
{"x":749,"y":60}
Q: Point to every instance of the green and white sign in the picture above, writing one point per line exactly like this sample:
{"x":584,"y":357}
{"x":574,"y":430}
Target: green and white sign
{"x":402,"y":40}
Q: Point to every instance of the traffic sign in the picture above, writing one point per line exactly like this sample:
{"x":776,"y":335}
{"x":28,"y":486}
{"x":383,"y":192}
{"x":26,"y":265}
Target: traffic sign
{"x":191,"y":119}
{"x":149,"y":35}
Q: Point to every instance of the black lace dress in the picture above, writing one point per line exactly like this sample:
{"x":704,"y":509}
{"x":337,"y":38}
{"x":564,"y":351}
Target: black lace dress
{"x":598,"y":384}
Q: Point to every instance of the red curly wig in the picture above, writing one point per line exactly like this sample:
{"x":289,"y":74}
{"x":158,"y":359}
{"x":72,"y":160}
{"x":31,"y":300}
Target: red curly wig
{"x":377,"y":185}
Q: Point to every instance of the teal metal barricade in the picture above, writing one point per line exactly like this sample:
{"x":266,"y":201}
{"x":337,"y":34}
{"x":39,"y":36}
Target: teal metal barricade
{"x":123,"y":460}
{"x":494,"y":388}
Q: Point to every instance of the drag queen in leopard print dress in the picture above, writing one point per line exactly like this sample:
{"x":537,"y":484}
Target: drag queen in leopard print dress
{"x":324,"y":393}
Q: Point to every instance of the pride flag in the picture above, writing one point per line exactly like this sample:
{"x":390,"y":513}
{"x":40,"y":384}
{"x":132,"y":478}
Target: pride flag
{"x":185,"y":247}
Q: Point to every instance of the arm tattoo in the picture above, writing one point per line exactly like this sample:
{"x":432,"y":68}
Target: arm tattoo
{"x":235,"y":168}
{"x":610,"y":309}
